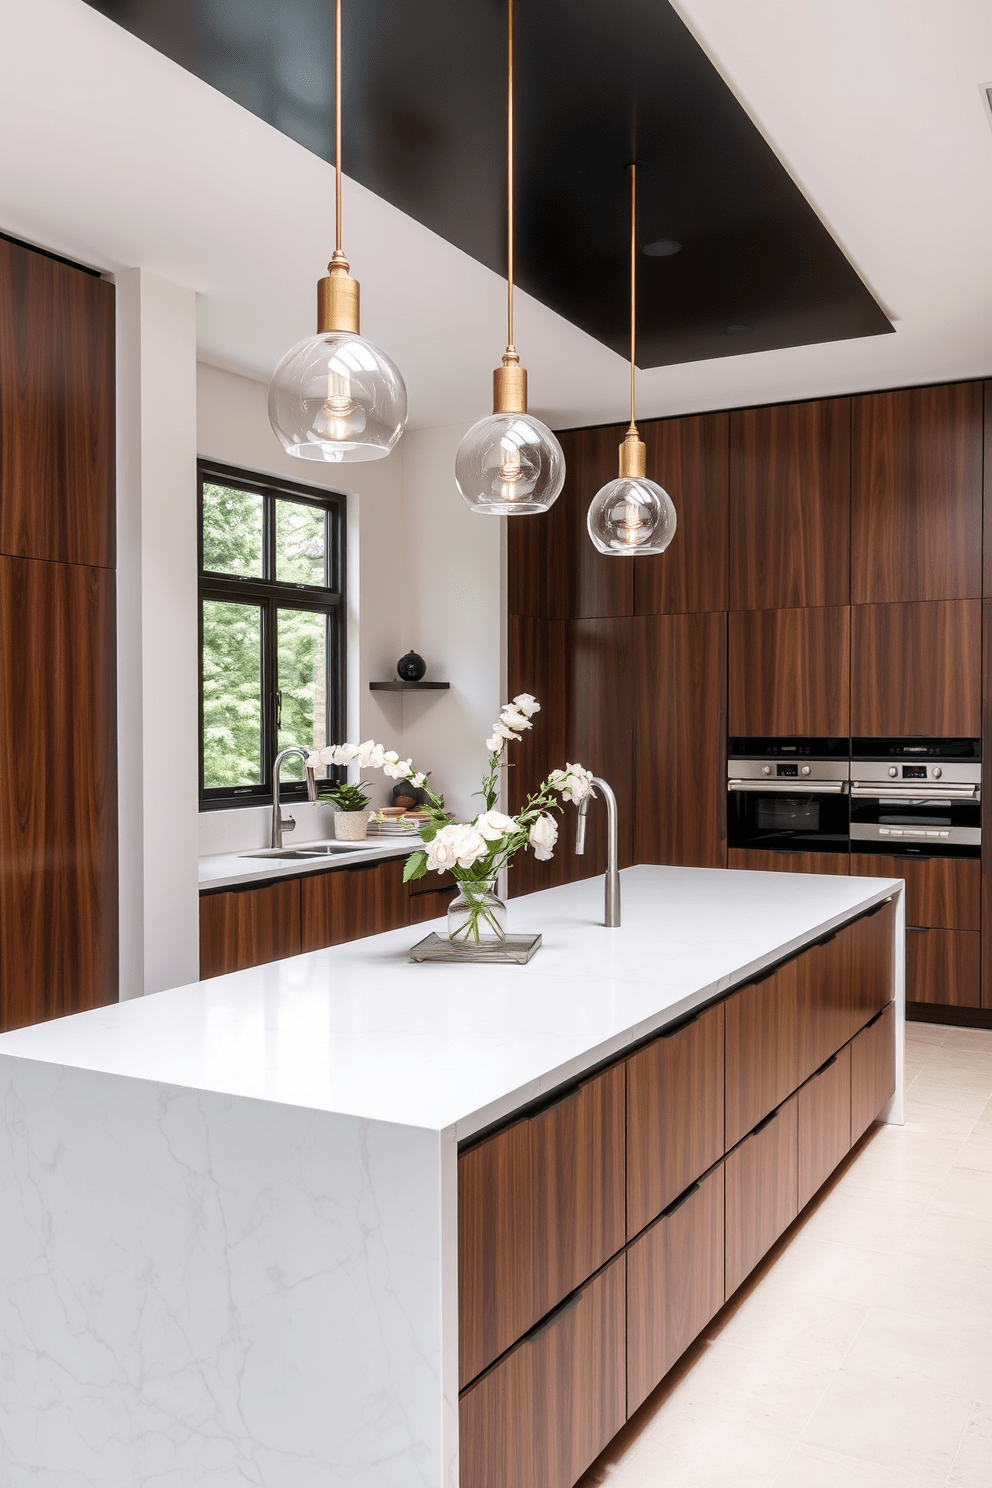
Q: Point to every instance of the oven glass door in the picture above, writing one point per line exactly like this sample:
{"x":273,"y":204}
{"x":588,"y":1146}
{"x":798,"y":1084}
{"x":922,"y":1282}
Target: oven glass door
{"x":788,"y":820}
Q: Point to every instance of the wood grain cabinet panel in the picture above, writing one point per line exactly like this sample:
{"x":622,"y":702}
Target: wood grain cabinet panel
{"x":600,"y":730}
{"x":680,"y":666}
{"x":541,"y":1207}
{"x":350,"y":903}
{"x":58,"y":827}
{"x":689,"y":458}
{"x":916,"y":669}
{"x":535,"y":652}
{"x":430,"y":905}
{"x":761,"y":1044}
{"x":57,"y":371}
{"x":787,"y":862}
{"x":824,"y":999}
{"x":249,"y":927}
{"x":872,"y":962}
{"x":944,"y":967}
{"x":824,"y":1114}
{"x":789,"y":671}
{"x":942,"y":892}
{"x":547,"y":1410}
{"x":916,"y":495}
{"x":873,"y":1070}
{"x":675,"y":1074}
{"x":675,"y":1284}
{"x":790,"y":505}
{"x":762,"y":1195}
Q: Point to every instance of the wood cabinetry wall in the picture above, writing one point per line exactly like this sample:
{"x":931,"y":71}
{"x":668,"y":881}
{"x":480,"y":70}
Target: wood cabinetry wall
{"x":826,"y":578}
{"x":58,"y":760}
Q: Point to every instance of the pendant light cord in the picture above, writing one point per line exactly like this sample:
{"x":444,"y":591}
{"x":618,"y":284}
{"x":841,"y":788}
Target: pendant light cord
{"x":509,"y":174}
{"x":633,"y":284}
{"x":337,"y":126}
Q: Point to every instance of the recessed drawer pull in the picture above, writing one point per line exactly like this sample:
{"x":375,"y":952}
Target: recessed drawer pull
{"x":562,"y":1100}
{"x":678,"y":1027}
{"x":762,"y":1124}
{"x":677,"y":1203}
{"x":918,"y":929}
{"x":555,"y":1314}
{"x":825,"y":1066}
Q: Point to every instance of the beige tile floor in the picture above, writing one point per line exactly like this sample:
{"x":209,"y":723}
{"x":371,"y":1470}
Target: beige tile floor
{"x":859,"y":1355}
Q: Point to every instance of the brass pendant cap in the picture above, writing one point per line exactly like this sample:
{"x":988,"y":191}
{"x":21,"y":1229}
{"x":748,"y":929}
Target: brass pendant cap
{"x":510,"y":388}
{"x":337,"y":298}
{"x":633,"y":456}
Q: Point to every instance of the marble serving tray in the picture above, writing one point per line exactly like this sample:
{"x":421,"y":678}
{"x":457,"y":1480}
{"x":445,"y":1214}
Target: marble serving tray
{"x":515,"y":948}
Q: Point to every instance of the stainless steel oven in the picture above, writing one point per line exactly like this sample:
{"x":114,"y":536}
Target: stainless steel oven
{"x":788,"y":795}
{"x":917,"y":797}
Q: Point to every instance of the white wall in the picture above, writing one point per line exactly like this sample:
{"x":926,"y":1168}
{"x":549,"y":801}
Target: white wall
{"x":424,"y":573}
{"x":157,"y":633}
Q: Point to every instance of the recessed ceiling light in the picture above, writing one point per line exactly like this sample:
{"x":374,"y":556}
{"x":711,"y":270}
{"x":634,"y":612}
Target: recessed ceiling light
{"x":662,"y":248}
{"x":737,"y":330}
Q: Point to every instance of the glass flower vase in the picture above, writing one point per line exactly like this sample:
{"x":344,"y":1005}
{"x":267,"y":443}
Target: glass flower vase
{"x":476,"y":916}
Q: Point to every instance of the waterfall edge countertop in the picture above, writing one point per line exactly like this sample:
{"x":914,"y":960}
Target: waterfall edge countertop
{"x":360,"y":1030}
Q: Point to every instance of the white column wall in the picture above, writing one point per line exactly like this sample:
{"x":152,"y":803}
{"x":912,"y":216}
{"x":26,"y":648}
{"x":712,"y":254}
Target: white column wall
{"x":157,"y":632}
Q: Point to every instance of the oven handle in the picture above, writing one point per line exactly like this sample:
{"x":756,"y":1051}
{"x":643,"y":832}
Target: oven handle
{"x":791,"y":787}
{"x":915,"y":794}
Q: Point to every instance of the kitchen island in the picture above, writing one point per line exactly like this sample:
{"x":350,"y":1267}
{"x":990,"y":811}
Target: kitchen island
{"x":286,"y":1226}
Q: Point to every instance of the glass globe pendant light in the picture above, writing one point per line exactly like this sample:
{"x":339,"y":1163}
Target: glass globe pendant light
{"x":632,"y":515}
{"x":509,"y":464}
{"x":335,"y":396}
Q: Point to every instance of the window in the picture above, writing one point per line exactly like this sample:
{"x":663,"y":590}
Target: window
{"x":272,"y":631}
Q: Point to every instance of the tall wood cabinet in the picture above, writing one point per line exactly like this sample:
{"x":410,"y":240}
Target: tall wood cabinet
{"x":58,"y":822}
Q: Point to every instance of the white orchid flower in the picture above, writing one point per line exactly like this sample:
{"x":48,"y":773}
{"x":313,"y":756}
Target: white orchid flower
{"x":419,"y":780}
{"x":528,"y":705}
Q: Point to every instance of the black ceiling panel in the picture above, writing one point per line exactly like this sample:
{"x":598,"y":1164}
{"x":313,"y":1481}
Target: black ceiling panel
{"x":597,"y":85}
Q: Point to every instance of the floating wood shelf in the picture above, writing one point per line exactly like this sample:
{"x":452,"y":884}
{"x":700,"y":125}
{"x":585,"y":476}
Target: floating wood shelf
{"x":409,"y":686}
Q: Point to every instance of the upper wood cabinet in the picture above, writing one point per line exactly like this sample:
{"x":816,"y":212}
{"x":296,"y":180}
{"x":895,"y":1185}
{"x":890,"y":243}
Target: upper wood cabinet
{"x":689,"y":458}
{"x":58,"y":827}
{"x":790,"y":505}
{"x":57,"y":372}
{"x":249,"y":926}
{"x":789,"y":671}
{"x":680,"y":663}
{"x":987,"y":523}
{"x":599,"y":660}
{"x":916,"y":669}
{"x":916,"y":494}
{"x":535,"y":663}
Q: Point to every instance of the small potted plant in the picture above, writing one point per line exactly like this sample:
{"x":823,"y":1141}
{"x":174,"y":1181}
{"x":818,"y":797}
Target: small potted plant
{"x":351,"y":819}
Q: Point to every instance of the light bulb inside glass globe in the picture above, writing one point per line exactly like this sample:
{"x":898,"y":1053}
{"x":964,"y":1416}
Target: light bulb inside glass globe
{"x":631,"y":515}
{"x":336,"y":397}
{"x":510,"y":464}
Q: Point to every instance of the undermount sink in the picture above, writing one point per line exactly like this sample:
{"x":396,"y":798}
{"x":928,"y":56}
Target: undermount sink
{"x":312,"y":850}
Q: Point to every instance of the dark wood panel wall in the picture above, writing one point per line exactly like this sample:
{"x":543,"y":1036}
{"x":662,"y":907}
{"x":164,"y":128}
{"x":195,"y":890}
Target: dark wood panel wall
{"x":826,"y":577}
{"x":58,"y":763}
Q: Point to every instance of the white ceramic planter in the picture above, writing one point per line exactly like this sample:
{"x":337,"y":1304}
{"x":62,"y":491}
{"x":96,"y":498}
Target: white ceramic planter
{"x":351,"y":826}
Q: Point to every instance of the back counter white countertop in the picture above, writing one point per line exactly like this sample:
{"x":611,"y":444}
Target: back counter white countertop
{"x":253,"y":865}
{"x":229,"y":1212}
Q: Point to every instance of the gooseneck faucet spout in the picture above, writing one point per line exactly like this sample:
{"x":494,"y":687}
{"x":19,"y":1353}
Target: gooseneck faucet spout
{"x":280,"y":823}
{"x":612,"y":919}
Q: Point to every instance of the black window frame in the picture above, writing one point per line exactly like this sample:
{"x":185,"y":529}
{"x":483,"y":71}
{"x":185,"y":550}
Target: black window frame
{"x":271,"y":595}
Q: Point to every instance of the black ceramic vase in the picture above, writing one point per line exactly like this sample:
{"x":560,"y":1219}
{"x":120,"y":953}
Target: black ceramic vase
{"x":411,"y":667}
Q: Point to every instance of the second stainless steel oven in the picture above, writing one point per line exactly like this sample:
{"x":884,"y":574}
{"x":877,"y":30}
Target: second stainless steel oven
{"x":915,"y":797}
{"x":788,"y":795}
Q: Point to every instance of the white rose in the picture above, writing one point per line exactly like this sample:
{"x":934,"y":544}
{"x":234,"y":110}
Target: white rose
{"x":528,"y":705}
{"x":469,"y":845}
{"x":574,"y":783}
{"x":514,"y":719}
{"x":441,"y":852}
{"x":495,"y":744}
{"x":543,"y":836}
{"x":502,"y":732}
{"x":493,"y":824}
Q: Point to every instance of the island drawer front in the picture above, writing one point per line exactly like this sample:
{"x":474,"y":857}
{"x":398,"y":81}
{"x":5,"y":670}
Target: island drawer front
{"x":944,"y":966}
{"x":675,"y":1117}
{"x":249,"y":927}
{"x":824,"y":1123}
{"x":430,"y":904}
{"x":872,"y":963}
{"x":873,"y":1070}
{"x":945,"y":893}
{"x":675,"y":1284}
{"x":762,"y":1191}
{"x":825,"y":1001}
{"x":349,"y":903}
{"x":541,"y":1415}
{"x":761,"y":1045}
{"x":540,"y":1208}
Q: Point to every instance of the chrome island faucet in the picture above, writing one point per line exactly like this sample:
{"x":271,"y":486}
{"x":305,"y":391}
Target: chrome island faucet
{"x":612,"y":871}
{"x":280,"y":823}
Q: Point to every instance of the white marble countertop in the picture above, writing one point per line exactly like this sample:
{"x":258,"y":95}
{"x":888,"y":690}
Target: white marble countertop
{"x":225,"y":870}
{"x":360,"y":1030}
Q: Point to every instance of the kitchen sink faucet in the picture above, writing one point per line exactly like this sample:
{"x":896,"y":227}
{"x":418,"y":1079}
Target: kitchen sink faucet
{"x":612,"y":871}
{"x":282,"y":823}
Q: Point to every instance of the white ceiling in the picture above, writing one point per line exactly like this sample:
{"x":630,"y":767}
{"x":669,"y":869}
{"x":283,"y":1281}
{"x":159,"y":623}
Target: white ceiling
{"x":114,"y":156}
